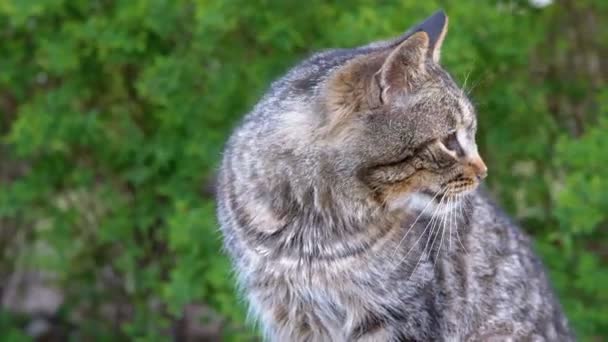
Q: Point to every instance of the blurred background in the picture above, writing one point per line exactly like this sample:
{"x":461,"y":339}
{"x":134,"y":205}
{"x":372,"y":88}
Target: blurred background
{"x":113,"y":115}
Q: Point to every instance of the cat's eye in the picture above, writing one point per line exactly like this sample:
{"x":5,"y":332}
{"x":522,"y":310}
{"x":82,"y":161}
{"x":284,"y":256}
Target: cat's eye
{"x":451,"y":143}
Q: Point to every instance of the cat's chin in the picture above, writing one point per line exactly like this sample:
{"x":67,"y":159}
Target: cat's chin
{"x":424,"y":203}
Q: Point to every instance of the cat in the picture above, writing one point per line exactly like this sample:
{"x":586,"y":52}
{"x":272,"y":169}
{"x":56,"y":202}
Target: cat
{"x":350,"y":205}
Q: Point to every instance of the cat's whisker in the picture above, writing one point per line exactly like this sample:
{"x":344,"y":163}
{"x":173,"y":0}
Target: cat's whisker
{"x":443,"y":219}
{"x":373,"y":254}
{"x":474,"y":85}
{"x":422,"y":253}
{"x":439,"y":227}
{"x":453,"y":204}
{"x":416,"y":220}
{"x":442,"y":232}
{"x":482,"y":78}
{"x":455,"y":216}
{"x":466,"y":206}
{"x":466,"y":78}
{"x":434,"y":220}
{"x":432,"y":223}
{"x":462,"y":215}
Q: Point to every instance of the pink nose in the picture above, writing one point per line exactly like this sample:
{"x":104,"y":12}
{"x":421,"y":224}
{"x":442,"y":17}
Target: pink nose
{"x":481,"y":170}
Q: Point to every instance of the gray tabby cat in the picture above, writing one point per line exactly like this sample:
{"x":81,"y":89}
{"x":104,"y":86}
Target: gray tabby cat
{"x":348,"y":201}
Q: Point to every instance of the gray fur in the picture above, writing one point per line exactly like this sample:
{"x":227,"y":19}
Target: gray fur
{"x":318,"y":201}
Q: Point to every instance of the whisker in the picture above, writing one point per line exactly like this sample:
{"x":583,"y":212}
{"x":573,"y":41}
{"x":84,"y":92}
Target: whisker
{"x":416,"y":220}
{"x":439,"y":226}
{"x":422,"y":234}
{"x":423,"y":252}
{"x":451,"y":222}
{"x":432,"y":223}
{"x":455,"y":215}
{"x":441,"y":223}
{"x":482,"y":78}
{"x":457,"y":233}
{"x":446,"y":215}
{"x":466,"y":79}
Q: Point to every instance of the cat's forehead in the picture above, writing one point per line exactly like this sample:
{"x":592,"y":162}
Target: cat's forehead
{"x":466,"y":112}
{"x":453,"y":101}
{"x":438,"y":109}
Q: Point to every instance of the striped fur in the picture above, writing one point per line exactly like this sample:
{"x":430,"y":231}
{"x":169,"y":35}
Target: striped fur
{"x":348,"y":200}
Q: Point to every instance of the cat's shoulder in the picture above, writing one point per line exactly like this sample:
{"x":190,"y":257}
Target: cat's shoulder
{"x":485,"y":208}
{"x":496,"y":229}
{"x":487,"y":211}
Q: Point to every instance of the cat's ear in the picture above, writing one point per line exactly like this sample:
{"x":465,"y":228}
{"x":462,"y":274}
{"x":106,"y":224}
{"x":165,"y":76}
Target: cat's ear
{"x":436,"y":26}
{"x":354,"y":87}
{"x":368,"y":81}
{"x":404,"y":66}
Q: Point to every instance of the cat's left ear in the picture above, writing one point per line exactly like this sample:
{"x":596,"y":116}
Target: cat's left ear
{"x":436,"y":26}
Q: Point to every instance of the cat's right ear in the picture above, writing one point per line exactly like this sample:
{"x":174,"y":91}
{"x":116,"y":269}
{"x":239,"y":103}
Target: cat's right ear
{"x":369,"y":81}
{"x":405,"y":66}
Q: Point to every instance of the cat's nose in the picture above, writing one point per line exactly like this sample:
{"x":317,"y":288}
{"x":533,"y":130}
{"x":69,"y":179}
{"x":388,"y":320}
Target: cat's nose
{"x":477,"y":164}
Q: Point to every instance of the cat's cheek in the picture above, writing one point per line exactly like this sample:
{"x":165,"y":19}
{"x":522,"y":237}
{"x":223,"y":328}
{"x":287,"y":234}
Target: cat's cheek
{"x":414,"y":201}
{"x":399,"y":203}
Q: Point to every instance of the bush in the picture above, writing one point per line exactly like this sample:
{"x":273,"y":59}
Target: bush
{"x":114,"y":114}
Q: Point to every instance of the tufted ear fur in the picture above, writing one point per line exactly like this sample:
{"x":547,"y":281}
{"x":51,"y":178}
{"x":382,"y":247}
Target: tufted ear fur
{"x":404,"y":66}
{"x":368,"y":81}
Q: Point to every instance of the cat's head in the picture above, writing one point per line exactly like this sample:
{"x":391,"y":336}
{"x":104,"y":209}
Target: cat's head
{"x":402,"y":122}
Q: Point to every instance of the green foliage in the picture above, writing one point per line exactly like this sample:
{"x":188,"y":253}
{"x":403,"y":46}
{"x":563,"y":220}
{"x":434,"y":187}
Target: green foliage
{"x":580,"y":201}
{"x":9,"y":326}
{"x":113,"y":115}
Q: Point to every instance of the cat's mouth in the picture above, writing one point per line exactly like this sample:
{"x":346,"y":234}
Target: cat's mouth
{"x":454,"y":188}
{"x":460,"y":186}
